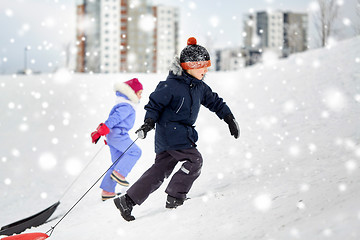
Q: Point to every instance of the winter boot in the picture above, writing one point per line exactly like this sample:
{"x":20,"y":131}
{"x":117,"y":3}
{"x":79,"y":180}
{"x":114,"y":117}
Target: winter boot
{"x":125,"y":205}
{"x":120,"y":179}
{"x":105,"y":195}
{"x":172,"y":202}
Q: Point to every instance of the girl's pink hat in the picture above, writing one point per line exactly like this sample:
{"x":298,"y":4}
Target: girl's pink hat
{"x":135,"y":84}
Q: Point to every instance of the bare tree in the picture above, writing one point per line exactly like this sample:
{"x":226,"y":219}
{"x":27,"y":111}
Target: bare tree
{"x":325,"y":19}
{"x":294,"y":38}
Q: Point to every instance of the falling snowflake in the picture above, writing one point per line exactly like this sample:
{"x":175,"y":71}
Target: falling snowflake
{"x":270,"y":57}
{"x":350,"y":166}
{"x":9,"y":12}
{"x":121,"y":232}
{"x":325,"y":114}
{"x":357,"y":98}
{"x":47,"y":161}
{"x":192,"y":5}
{"x":36,"y":95}
{"x":357,"y":152}
{"x":45,"y":105}
{"x":73,"y":166}
{"x":335,"y":100}
{"x":294,"y":151}
{"x":54,"y":141}
{"x":62,"y":76}
{"x":51,"y":128}
{"x":312,"y":147}
{"x":147,"y":23}
{"x":210,"y":135}
{"x":43,"y":195}
{"x":11,"y":105}
{"x":220,"y":176}
{"x":214,"y":21}
{"x":7,"y":181}
{"x":346,"y":21}
{"x":294,"y":232}
{"x":23,"y":127}
{"x":299,"y":61}
{"x":248,"y":155}
{"x":289,"y":107}
{"x":342,"y":187}
{"x":205,"y":198}
{"x":327,"y":232}
{"x":304,"y":187}
{"x":15,"y":152}
{"x":262,"y":202}
{"x":316,"y":64}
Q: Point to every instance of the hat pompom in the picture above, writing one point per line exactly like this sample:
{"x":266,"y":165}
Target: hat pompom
{"x":191,"y":41}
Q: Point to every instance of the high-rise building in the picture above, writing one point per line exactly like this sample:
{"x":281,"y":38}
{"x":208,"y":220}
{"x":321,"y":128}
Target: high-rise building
{"x":229,"y":59}
{"x":88,"y":37}
{"x":166,"y":36}
{"x":283,"y":32}
{"x":109,"y":52}
{"x":270,"y":30}
{"x":125,"y":36}
{"x":140,"y":34}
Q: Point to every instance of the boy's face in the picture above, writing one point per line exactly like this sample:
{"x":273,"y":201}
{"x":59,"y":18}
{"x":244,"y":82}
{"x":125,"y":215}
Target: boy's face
{"x":198,"y":73}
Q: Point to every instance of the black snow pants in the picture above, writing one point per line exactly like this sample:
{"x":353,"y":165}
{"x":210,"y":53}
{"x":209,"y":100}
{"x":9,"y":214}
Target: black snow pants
{"x":165,"y":163}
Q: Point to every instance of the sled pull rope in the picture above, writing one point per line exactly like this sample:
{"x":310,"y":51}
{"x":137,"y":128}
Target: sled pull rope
{"x":117,"y":160}
{"x":77,"y":178}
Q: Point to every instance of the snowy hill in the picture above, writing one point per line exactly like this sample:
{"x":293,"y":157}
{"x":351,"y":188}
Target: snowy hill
{"x":293,"y":174}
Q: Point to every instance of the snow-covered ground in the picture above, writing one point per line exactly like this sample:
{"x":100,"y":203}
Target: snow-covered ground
{"x":293,"y":174}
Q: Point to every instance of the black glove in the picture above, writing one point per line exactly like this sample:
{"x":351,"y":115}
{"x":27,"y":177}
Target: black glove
{"x":233,"y":125}
{"x":147,"y":126}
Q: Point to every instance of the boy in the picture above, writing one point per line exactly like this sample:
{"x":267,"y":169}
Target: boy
{"x":174,"y":107}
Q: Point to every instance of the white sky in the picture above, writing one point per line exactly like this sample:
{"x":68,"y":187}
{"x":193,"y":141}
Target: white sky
{"x":48,"y":25}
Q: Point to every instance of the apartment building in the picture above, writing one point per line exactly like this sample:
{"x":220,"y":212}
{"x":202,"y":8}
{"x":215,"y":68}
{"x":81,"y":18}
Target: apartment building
{"x":230,"y":59}
{"x":282,"y":32}
{"x":166,"y":41}
{"x":270,"y":30}
{"x":125,"y":36}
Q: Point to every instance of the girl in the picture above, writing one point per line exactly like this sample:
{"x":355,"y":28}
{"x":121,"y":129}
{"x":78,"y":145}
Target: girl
{"x":121,"y":119}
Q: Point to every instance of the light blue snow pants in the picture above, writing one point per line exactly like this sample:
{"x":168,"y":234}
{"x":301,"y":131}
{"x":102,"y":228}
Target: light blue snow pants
{"x":124,"y":164}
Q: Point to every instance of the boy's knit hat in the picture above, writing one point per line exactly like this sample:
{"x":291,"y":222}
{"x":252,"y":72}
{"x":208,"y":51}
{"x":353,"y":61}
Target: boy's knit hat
{"x":194,"y":56}
{"x":134,"y":84}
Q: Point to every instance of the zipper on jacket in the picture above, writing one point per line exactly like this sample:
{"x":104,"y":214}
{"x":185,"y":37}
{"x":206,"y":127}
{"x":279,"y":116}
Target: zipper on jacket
{"x":191,"y":99}
{"x":182,"y":102}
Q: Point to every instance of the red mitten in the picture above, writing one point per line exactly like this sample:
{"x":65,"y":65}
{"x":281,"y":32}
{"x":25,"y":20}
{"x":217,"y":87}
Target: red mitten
{"x":101,"y":130}
{"x":95,"y":136}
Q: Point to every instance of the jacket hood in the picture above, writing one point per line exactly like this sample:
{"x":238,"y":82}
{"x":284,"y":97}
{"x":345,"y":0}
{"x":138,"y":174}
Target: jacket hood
{"x":127,"y":91}
{"x":175,"y":67}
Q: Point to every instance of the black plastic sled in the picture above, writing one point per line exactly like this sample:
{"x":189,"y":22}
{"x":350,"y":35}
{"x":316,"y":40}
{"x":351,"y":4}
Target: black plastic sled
{"x":32,"y":221}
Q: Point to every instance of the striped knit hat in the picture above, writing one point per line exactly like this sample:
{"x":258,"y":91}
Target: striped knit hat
{"x":194,"y":56}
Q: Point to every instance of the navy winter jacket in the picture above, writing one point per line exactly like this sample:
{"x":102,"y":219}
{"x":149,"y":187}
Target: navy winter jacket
{"x":174,"y":106}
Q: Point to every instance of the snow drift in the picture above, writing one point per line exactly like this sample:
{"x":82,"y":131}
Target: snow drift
{"x":293,"y":174}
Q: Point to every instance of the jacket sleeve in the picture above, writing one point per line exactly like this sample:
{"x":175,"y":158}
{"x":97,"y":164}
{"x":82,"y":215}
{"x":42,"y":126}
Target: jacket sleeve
{"x":158,"y":100}
{"x":214,"y":103}
{"x":117,"y":115}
